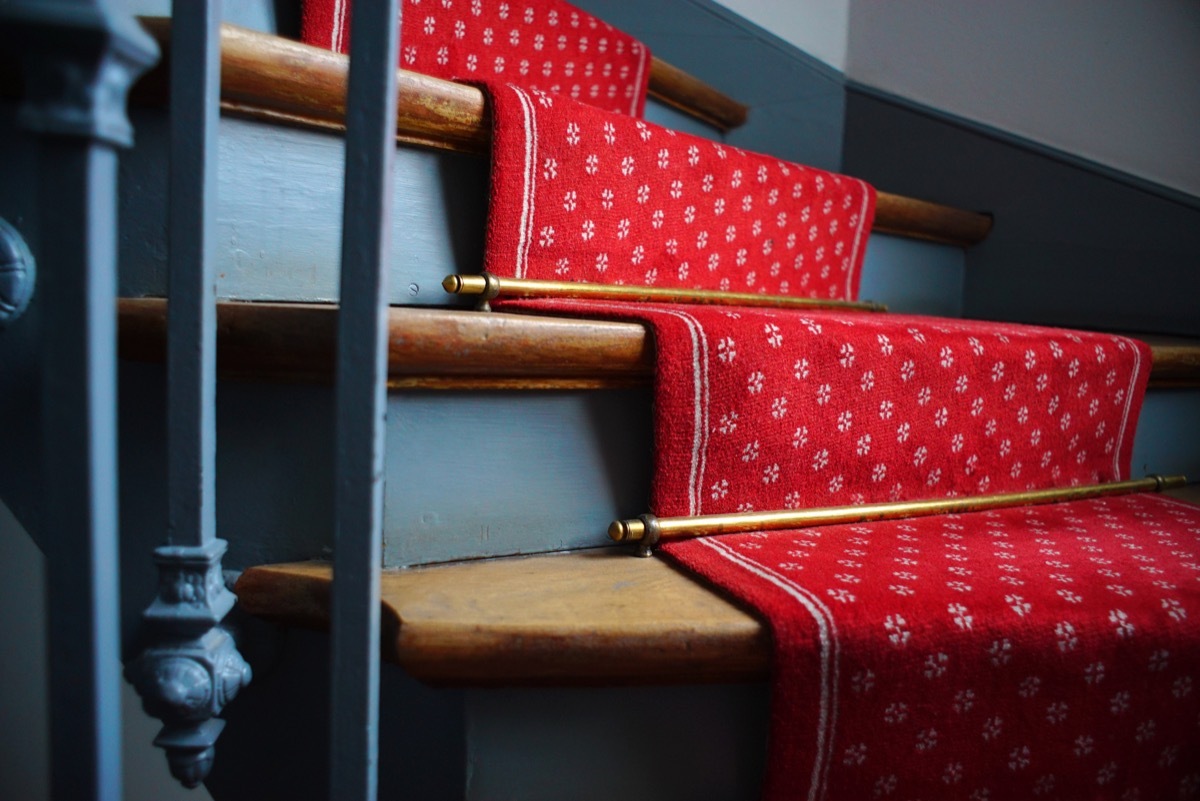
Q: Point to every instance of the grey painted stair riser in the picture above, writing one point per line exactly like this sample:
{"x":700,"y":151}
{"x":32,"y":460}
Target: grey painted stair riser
{"x":279,"y":213}
{"x":469,"y":474}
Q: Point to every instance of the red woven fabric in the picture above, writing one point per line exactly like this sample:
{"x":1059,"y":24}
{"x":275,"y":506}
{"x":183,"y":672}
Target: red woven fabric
{"x":581,"y":195}
{"x":1046,"y":652}
{"x":1041,"y":652}
{"x":758,"y":409}
{"x":1036,"y":652}
{"x":539,"y":44}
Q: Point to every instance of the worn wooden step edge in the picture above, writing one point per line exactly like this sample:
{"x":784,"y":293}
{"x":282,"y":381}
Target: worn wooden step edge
{"x":274,"y":74}
{"x":452,"y":349}
{"x":279,"y":80}
{"x":585,"y":617}
{"x":1176,"y":361}
{"x":597,"y":616}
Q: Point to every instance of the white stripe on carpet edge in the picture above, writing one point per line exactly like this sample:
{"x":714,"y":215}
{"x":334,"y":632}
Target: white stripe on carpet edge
{"x":525,"y":228}
{"x":1137,"y":366}
{"x":699,"y":407}
{"x":638,"y":90}
{"x":336,"y":24}
{"x":858,"y":237}
{"x":830,"y":649}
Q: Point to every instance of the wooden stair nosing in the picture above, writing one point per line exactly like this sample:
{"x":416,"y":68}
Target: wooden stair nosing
{"x":599,"y":616}
{"x":282,"y":81}
{"x":445,"y":348}
{"x":271,"y":72}
{"x":585,"y":617}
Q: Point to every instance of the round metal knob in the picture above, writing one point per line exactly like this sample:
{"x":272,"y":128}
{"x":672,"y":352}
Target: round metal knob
{"x":17,"y":273}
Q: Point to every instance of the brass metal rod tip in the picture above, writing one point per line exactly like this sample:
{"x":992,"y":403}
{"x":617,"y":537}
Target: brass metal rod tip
{"x":627,"y":530}
{"x":465,"y":284}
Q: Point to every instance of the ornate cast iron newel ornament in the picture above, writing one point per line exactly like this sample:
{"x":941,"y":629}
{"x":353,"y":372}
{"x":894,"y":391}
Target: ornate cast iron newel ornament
{"x":78,"y":60}
{"x":17,"y":273}
{"x":194,"y":669}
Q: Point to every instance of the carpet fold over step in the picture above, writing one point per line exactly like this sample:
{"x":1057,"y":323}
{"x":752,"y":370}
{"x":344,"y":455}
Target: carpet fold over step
{"x":545,"y":45}
{"x":1031,"y":652}
{"x":578,"y":194}
{"x":1043,"y":652}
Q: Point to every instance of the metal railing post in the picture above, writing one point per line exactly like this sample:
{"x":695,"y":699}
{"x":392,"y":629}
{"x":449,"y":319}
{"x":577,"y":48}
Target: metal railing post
{"x":361,"y":385}
{"x":192,"y":667}
{"x":78,"y":60}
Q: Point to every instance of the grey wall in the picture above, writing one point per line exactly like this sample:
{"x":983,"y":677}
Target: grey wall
{"x":817,"y":27}
{"x":796,"y":101}
{"x":1071,"y":246}
{"x":1112,"y":82}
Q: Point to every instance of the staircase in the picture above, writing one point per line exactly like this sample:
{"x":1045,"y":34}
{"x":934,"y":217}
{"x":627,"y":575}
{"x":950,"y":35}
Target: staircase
{"x":523,"y":672}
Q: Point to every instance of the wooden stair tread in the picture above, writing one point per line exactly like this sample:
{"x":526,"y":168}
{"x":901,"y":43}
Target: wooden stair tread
{"x":273,"y":79}
{"x":599,"y":616}
{"x":1176,"y":360}
{"x":585,"y":617}
{"x":453,"y":349}
{"x":259,"y":65}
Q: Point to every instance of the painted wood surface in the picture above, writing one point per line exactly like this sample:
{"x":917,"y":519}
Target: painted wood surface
{"x":500,"y":473}
{"x":278,"y":218}
{"x":1072,"y":246}
{"x":518,"y":452}
{"x":277,"y":221}
{"x":632,"y":743}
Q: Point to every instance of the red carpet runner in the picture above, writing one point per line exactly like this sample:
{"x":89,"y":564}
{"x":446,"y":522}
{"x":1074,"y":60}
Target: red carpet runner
{"x":1042,"y":652}
{"x":541,"y":44}
{"x":1046,"y":652}
{"x":583,"y":196}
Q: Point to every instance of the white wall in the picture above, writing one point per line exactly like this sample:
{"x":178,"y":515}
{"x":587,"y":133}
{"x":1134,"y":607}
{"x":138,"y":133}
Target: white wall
{"x":1115,"y":82}
{"x":818,"y":27}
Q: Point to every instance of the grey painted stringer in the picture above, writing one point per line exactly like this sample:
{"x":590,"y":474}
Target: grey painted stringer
{"x":79,"y":60}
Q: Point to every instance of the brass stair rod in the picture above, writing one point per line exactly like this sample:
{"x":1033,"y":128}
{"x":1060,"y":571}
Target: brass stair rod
{"x":488,"y":286}
{"x":648,"y":530}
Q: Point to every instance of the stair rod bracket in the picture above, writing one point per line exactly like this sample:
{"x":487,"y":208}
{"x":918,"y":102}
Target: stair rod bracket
{"x":643,"y":531}
{"x":194,"y":668}
{"x":485,"y":287}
